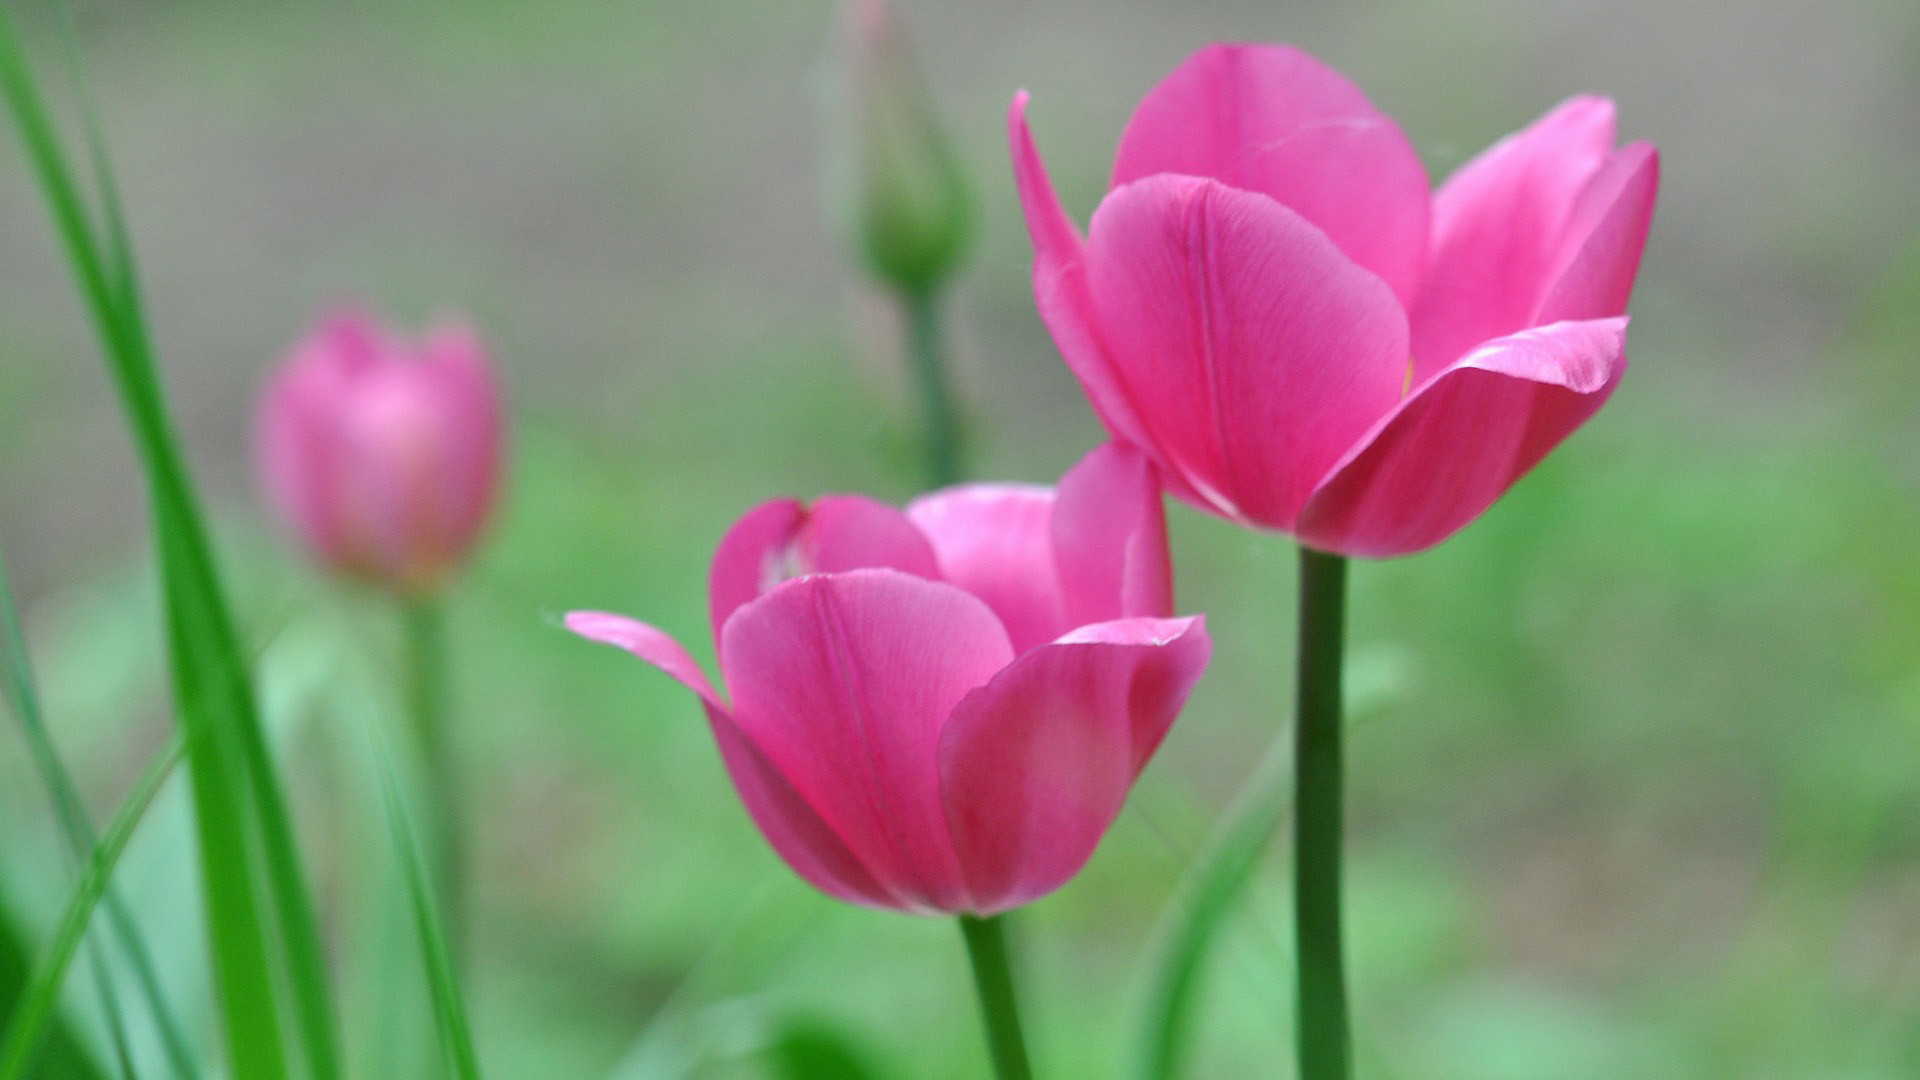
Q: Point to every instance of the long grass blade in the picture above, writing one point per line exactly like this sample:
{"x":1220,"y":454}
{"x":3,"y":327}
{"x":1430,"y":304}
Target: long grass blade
{"x":1207,"y":898}
{"x":29,"y":1023}
{"x":297,"y":924}
{"x":64,"y":1055}
{"x":240,"y":811}
{"x":450,"y":1014}
{"x":16,"y":674}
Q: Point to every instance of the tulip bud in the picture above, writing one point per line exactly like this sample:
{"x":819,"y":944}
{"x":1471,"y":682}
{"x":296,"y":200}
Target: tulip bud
{"x":914,"y":213}
{"x":382,"y":455}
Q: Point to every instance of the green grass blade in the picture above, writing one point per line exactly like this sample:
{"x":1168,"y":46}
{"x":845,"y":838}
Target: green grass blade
{"x":16,"y":674}
{"x":296,"y":921}
{"x":237,"y":800}
{"x":37,"y":1005}
{"x":1206,"y":899}
{"x":450,"y":1014}
{"x":64,"y":1055}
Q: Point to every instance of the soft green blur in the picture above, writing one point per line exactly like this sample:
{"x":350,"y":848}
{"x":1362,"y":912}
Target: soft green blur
{"x":1636,"y":761}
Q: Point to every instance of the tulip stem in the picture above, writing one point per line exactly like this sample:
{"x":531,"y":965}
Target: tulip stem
{"x":993,"y":978}
{"x":1318,"y":823}
{"x":942,"y":424}
{"x":428,"y":706}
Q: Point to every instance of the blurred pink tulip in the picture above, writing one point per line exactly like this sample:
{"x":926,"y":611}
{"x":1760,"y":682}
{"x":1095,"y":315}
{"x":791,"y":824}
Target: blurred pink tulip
{"x":1270,"y":305}
{"x":942,"y":710}
{"x":383,"y":456}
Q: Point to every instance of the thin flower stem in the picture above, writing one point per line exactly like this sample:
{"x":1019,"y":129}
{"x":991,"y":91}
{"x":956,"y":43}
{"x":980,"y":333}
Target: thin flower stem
{"x":942,"y":423}
{"x":427,"y":705}
{"x":999,"y":1011}
{"x":1318,"y":822}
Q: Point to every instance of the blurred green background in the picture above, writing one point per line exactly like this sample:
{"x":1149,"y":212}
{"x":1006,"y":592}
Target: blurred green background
{"x":1636,"y":762}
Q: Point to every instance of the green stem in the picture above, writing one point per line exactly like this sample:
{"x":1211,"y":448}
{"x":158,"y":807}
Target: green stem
{"x":942,"y":424}
{"x":427,"y":706}
{"x":999,"y":1012}
{"x":1318,"y":820}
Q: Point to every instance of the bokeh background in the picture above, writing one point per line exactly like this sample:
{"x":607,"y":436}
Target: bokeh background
{"x":1636,"y":760}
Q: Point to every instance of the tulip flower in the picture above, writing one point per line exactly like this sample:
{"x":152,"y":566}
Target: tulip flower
{"x":383,"y":455}
{"x":1269,"y":303}
{"x":941,"y":710}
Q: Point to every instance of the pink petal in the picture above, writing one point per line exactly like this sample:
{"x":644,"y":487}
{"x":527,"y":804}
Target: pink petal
{"x":785,"y":539}
{"x":1060,"y":284}
{"x":1258,"y":351}
{"x":1459,"y":442}
{"x":1605,"y":237}
{"x":1110,"y":538}
{"x":1497,"y":229}
{"x":349,"y":339}
{"x":789,"y":824}
{"x":1036,"y":764}
{"x":844,"y":681}
{"x":455,"y":358}
{"x":400,"y":456}
{"x":792,"y":826}
{"x":298,"y":447}
{"x":1272,"y":119}
{"x":996,"y":542}
{"x":648,"y":643}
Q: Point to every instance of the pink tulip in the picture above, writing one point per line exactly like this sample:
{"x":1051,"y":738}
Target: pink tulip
{"x":1270,"y":305}
{"x":941,"y":710}
{"x":382,"y":455}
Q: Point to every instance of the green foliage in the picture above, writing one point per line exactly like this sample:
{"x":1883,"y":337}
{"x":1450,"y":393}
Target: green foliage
{"x":63,"y":1055}
{"x":815,"y":1050}
{"x":16,"y":679}
{"x":40,"y":1001}
{"x":257,"y":935}
{"x":449,"y":1011}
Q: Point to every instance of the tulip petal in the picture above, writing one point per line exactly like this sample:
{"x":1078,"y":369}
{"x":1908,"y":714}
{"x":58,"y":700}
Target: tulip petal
{"x":1036,"y":764}
{"x":796,"y":832}
{"x":649,"y":643}
{"x":1060,"y":284}
{"x":785,"y":539}
{"x":1272,"y":119}
{"x":996,"y":542}
{"x":399,"y":446}
{"x":1263,"y":350}
{"x":1459,"y":442}
{"x":455,"y":358}
{"x":1110,"y":539}
{"x":1497,"y":229}
{"x":349,"y":339}
{"x":1607,"y":233}
{"x":844,"y":681}
{"x":299,"y":451}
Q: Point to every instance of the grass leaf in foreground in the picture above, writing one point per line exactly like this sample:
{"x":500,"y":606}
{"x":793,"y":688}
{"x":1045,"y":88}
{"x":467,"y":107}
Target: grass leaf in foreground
{"x":38,"y":1004}
{"x":449,"y":1013}
{"x":16,"y":675}
{"x":244,"y":830}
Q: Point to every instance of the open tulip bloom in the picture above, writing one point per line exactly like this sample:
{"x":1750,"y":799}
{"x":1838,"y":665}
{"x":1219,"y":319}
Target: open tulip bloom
{"x":941,"y":710}
{"x":1270,"y":304}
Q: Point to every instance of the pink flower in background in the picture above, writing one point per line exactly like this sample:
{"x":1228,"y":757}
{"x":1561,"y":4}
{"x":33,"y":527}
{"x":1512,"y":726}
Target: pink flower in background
{"x":383,"y":455}
{"x":1270,"y":304}
{"x":942,"y":710}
